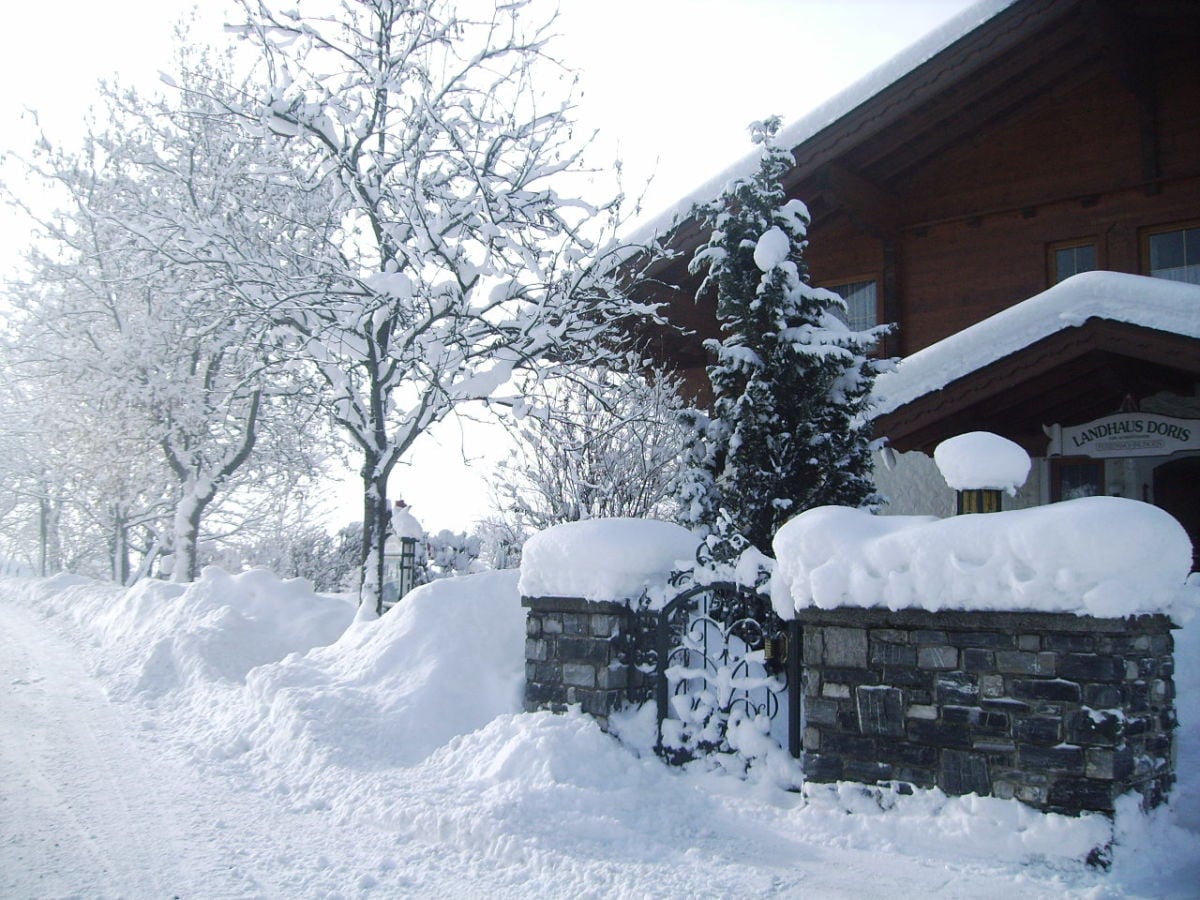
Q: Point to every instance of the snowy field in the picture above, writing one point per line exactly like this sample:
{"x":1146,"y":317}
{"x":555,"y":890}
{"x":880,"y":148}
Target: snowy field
{"x":244,"y":737}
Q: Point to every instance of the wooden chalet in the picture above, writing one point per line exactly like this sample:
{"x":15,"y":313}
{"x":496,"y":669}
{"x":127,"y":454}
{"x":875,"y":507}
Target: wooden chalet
{"x":1039,"y":140}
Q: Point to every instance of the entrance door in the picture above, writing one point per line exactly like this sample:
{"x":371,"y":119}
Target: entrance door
{"x":1177,"y":490}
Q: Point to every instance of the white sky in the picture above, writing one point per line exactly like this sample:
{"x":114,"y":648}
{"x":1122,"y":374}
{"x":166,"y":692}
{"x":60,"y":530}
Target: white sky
{"x":671,"y":84}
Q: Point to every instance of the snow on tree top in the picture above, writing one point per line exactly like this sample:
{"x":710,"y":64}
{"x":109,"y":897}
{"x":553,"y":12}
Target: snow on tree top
{"x":982,"y":460}
{"x":605,"y":559}
{"x":1156,"y":303}
{"x":1100,"y":556}
{"x":772,"y":249}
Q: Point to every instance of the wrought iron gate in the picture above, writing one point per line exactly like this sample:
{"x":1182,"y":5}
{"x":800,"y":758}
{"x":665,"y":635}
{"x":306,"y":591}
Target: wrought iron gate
{"x":721,"y":654}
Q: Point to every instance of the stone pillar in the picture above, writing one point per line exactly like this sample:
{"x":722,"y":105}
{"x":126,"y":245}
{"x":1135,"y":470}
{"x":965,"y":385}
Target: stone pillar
{"x":581,"y":652}
{"x":1062,"y":712}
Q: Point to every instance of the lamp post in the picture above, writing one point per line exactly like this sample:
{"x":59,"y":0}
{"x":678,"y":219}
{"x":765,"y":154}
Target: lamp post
{"x":400,"y":555}
{"x":978,"y":466}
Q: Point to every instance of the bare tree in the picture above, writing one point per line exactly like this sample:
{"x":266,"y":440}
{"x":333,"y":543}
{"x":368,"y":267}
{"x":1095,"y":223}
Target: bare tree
{"x":457,"y":252}
{"x":607,"y":445}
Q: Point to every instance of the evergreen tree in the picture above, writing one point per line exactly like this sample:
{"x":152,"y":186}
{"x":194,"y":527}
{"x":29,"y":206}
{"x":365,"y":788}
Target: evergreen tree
{"x":790,"y":381}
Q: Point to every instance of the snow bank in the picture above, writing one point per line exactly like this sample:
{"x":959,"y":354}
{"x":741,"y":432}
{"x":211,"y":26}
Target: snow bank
{"x":980,"y":460}
{"x":1156,"y":303}
{"x":1101,"y":556}
{"x":160,"y":636}
{"x":442,"y":663}
{"x":605,"y":559}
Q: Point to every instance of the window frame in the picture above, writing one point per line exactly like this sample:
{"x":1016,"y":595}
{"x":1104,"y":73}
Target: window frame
{"x":1053,"y":248}
{"x":830,"y":284}
{"x":1147,"y":233}
{"x":1059,"y":463}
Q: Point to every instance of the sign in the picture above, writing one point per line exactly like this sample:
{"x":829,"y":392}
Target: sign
{"x":1123,"y":435}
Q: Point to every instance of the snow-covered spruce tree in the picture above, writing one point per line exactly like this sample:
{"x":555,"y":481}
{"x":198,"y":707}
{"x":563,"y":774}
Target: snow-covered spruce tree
{"x":790,"y":380}
{"x":457,"y":249}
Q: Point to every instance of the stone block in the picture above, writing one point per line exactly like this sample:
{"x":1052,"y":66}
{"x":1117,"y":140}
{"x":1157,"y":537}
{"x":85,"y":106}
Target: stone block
{"x":938,"y":658}
{"x":993,"y":746}
{"x":612,"y":677}
{"x":813,"y":644}
{"x":978,"y":719}
{"x":866,"y":771}
{"x":964,"y":773}
{"x":1030,"y":642}
{"x":902,"y":753}
{"x":835,"y":691}
{"x":845,"y":647}
{"x":579,"y":675}
{"x":1042,"y":731}
{"x":925,"y":636}
{"x":604,"y":626}
{"x":904,"y":676}
{"x":822,"y":767}
{"x":880,"y":710}
{"x":575,"y":623}
{"x":989,"y":640}
{"x":957,"y":689}
{"x":1020,"y":662}
{"x":820,"y":712}
{"x":889,"y":635}
{"x":533,"y":625}
{"x":552,"y":624}
{"x":1070,"y":795}
{"x":1103,"y":696}
{"x":921,"y":711}
{"x":938,"y":734}
{"x":812,"y":738}
{"x":851,"y":676}
{"x":1053,"y":689}
{"x":891,"y":654}
{"x":1061,"y":758}
{"x":991,"y":687}
{"x":585,"y":649}
{"x":976,"y":660}
{"x":1091,"y":667}
{"x":852,"y":746}
{"x":536,"y":649}
{"x":1095,"y":728}
{"x":1109,"y":765}
{"x":1072,"y":643}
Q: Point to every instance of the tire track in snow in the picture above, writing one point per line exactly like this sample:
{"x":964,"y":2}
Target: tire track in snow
{"x":84,"y":809}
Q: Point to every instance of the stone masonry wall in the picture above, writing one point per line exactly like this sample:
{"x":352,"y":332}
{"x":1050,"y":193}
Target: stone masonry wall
{"x":1062,"y":712}
{"x":578,"y":651}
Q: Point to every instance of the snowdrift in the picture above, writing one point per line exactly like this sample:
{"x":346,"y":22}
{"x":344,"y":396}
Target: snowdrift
{"x":444,"y":662}
{"x":160,"y":637}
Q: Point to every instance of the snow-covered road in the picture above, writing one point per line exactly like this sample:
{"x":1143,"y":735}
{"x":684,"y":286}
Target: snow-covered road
{"x":83,"y":803}
{"x":134,"y":764}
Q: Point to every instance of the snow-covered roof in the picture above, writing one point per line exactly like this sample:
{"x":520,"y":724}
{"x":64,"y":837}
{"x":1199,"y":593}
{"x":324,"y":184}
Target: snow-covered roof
{"x":1168,"y":306}
{"x":829,"y":112}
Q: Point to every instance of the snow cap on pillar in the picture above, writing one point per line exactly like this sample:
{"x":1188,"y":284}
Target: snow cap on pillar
{"x":980,"y":460}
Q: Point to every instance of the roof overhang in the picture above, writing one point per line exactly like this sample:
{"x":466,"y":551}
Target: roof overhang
{"x":1065,"y":356}
{"x":1069,"y":377}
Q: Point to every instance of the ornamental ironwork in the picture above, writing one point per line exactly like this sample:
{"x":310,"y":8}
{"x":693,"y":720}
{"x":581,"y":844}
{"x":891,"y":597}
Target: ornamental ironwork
{"x":721,"y":675}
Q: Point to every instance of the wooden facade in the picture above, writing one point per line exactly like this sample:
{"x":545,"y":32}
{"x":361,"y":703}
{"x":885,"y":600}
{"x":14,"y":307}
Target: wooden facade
{"x":1058,"y":135}
{"x":1056,"y":122}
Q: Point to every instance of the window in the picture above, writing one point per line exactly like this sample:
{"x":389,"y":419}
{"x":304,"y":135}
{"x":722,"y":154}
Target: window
{"x":1174,"y":254}
{"x":1073,"y":478}
{"x":1069,"y":258}
{"x":861,"y":312}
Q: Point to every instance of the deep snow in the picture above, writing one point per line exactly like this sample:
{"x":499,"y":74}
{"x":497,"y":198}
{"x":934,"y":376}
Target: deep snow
{"x":151,"y":749}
